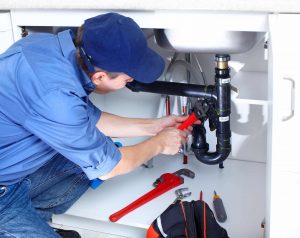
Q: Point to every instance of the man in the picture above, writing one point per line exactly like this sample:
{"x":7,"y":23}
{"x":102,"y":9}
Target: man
{"x":53,"y":140}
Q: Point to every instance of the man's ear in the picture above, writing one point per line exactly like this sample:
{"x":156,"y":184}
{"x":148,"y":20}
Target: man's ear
{"x":98,"y":77}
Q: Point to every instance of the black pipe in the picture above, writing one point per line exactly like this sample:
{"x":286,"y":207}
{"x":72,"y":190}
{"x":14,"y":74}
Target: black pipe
{"x":221,"y":95}
{"x":177,"y":89}
{"x":223,"y":132}
{"x":200,"y":148}
{"x":199,"y":139}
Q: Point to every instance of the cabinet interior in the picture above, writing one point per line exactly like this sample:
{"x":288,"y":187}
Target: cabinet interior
{"x":241,"y":183}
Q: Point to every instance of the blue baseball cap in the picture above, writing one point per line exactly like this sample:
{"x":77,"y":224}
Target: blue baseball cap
{"x":116,"y":43}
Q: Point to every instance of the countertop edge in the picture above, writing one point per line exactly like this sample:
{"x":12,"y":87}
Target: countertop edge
{"x":272,"y":6}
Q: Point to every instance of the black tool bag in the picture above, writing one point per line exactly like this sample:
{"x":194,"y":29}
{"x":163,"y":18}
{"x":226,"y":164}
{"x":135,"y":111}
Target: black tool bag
{"x":187,"y":220}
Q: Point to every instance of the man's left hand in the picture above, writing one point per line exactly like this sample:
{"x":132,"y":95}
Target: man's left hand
{"x":172,"y":121}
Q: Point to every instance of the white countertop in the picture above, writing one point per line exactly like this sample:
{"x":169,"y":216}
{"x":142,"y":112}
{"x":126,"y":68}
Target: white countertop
{"x":286,"y":6}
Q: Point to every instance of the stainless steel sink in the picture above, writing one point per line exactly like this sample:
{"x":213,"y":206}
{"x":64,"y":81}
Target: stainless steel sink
{"x":207,"y":40}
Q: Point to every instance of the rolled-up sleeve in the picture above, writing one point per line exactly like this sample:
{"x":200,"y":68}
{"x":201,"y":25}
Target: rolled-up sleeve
{"x":67,"y":123}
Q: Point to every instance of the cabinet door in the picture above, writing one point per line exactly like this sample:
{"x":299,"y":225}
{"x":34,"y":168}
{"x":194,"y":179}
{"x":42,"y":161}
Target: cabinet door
{"x":6,"y":34}
{"x":283,"y":195}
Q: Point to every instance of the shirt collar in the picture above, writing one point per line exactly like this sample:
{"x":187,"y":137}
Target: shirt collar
{"x":69,"y":51}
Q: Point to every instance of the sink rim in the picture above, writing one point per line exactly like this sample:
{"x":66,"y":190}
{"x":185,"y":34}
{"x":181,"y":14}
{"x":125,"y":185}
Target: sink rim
{"x":207,"y":40}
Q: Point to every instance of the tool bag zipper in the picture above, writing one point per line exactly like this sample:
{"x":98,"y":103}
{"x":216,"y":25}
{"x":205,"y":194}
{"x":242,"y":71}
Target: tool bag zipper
{"x":189,"y":218}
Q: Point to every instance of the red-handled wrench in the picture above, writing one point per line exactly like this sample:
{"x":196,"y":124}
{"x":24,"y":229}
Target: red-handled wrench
{"x":188,"y":122}
{"x":163,"y":184}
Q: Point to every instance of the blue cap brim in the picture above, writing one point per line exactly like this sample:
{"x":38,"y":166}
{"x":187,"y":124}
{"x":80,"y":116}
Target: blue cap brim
{"x":150,"y":68}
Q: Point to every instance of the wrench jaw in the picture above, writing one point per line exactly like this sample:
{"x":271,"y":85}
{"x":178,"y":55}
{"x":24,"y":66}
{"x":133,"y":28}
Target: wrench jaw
{"x":186,"y":172}
{"x":181,"y":194}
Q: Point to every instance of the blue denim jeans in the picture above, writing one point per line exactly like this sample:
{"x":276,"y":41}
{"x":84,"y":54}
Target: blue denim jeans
{"x":25,"y":207}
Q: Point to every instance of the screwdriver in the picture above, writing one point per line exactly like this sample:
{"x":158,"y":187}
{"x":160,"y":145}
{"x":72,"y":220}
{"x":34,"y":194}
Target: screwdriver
{"x":219,"y":208}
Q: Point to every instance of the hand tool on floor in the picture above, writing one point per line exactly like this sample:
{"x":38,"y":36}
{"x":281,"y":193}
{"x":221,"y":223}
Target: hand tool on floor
{"x":163,"y":184}
{"x":219,"y":208}
{"x":181,"y":195}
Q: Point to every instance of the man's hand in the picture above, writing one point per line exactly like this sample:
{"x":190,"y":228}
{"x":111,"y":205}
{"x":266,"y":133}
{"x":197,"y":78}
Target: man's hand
{"x":167,"y":142}
{"x":170,"y":140}
{"x":171,"y":121}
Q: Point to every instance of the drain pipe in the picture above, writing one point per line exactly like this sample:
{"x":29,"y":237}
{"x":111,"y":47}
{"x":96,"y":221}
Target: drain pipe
{"x":220,"y":94}
{"x":176,"y":89}
{"x":222,"y":121}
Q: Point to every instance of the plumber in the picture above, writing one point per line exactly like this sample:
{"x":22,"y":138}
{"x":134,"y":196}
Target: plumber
{"x":53,"y":140}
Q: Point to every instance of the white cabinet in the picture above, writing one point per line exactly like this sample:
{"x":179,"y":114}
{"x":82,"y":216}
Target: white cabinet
{"x":6,"y":36}
{"x":281,"y":191}
{"x":284,"y":163}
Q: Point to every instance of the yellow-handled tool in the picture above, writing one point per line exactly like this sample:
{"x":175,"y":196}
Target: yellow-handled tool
{"x":219,"y":208}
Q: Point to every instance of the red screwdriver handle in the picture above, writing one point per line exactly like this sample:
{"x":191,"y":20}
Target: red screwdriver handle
{"x":188,"y":122}
{"x":169,"y":181}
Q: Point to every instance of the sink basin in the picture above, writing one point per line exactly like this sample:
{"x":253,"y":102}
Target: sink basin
{"x":207,"y":40}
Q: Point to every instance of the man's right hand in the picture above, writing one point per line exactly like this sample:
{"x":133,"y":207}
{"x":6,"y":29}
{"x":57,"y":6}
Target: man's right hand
{"x":167,"y":142}
{"x":170,"y":140}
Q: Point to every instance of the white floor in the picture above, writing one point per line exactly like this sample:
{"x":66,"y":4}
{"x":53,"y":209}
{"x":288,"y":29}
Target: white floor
{"x":241,"y":185}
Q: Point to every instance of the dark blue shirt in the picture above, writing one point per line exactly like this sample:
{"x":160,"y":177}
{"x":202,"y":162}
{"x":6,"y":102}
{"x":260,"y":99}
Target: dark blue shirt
{"x":45,"y":109}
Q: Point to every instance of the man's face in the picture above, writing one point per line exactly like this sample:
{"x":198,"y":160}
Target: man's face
{"x":105,"y":84}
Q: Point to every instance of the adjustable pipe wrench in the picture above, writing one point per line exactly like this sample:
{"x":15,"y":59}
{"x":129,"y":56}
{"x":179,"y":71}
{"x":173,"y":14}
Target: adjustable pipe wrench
{"x":163,"y":184}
